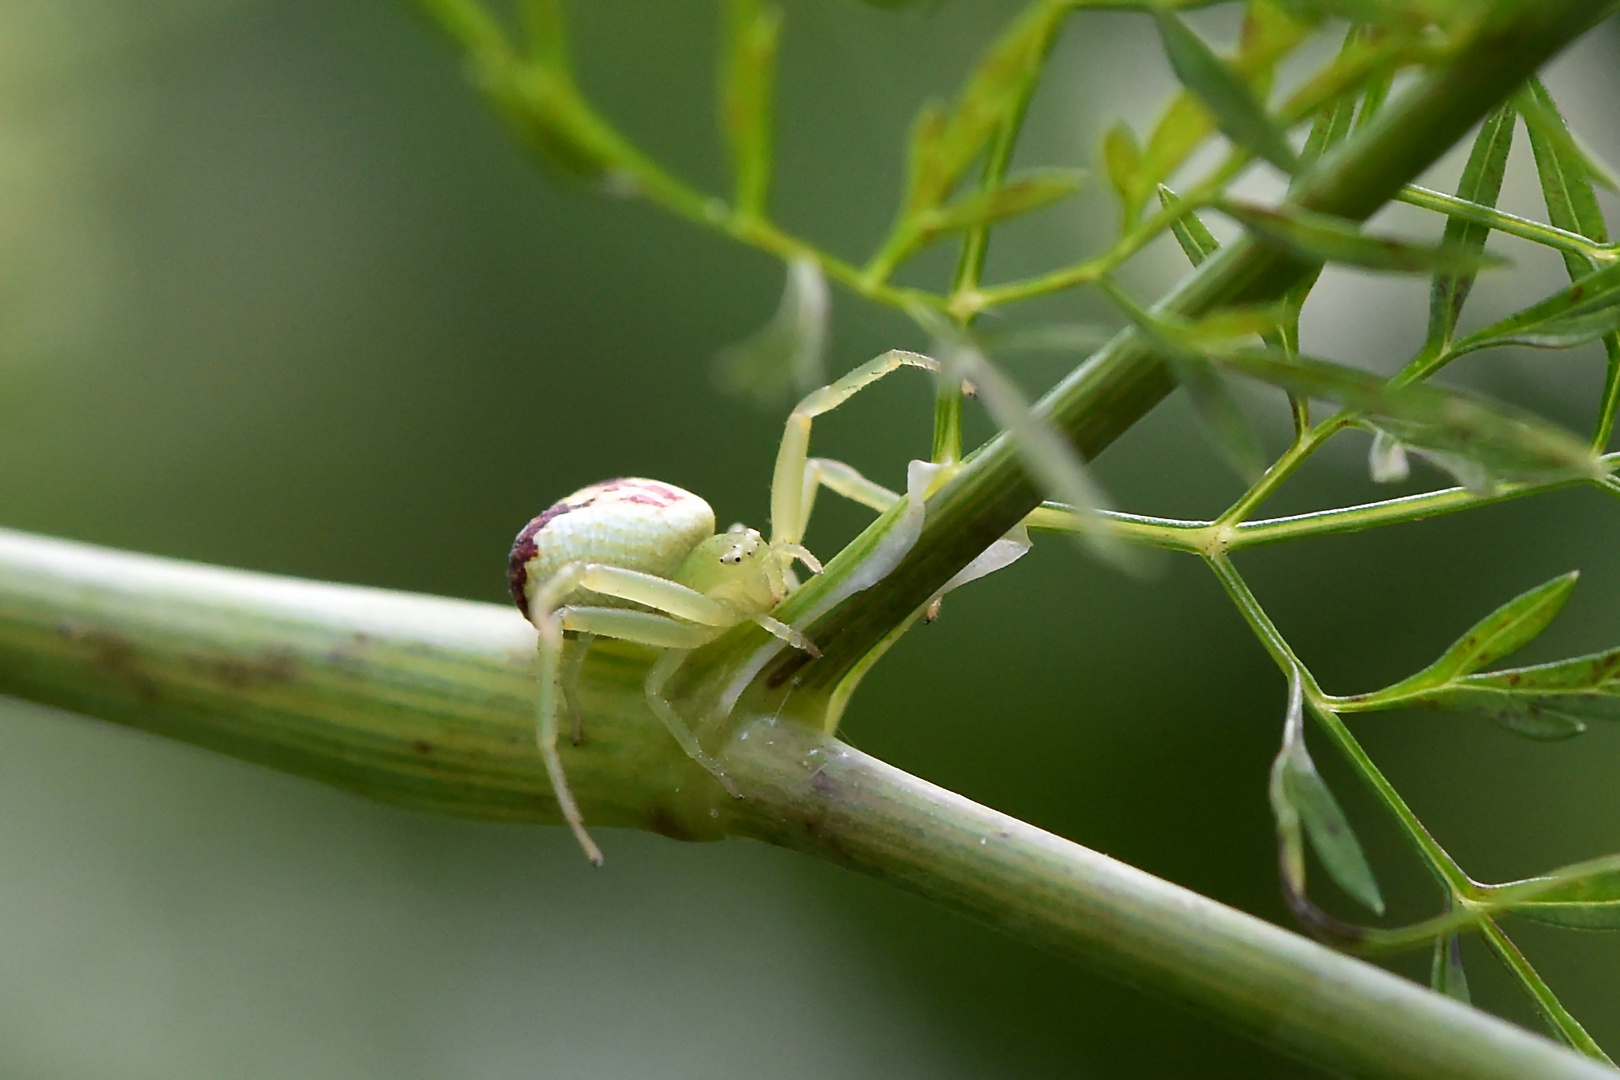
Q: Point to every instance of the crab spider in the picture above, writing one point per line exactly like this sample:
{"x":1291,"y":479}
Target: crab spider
{"x":640,"y":561}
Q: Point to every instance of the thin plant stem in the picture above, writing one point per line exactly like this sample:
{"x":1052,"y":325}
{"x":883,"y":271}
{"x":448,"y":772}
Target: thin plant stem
{"x":947,"y":449}
{"x":1511,"y":224}
{"x":1210,"y":537}
{"x":1540,"y":994}
{"x":1609,"y":403}
{"x":1445,"y":869}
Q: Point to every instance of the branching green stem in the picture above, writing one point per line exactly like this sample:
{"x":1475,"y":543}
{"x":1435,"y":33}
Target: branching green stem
{"x":1210,"y":537}
{"x":1213,"y":537}
{"x":427,"y":703}
{"x":541,"y":102}
{"x":1120,"y":383}
{"x":947,"y":448}
{"x":1511,"y":224}
{"x":1434,"y":856}
{"x":1469,"y":906}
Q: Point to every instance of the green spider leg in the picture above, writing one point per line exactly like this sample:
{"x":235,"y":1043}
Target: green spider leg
{"x":790,"y":501}
{"x":573,"y":663}
{"x":683,"y":619}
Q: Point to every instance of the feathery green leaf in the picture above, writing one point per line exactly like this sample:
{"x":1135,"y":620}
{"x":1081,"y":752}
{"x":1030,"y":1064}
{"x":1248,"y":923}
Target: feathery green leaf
{"x":1227,"y":97}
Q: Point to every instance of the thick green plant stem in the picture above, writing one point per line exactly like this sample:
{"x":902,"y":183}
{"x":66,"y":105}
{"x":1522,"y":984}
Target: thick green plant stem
{"x":428,"y":703}
{"x":1123,"y":381}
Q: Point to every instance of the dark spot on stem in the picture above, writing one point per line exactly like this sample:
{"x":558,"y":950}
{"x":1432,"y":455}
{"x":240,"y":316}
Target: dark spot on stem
{"x":822,"y":784}
{"x":241,"y":672}
{"x":423,"y":747}
{"x":114,"y":655}
{"x":786,"y":668}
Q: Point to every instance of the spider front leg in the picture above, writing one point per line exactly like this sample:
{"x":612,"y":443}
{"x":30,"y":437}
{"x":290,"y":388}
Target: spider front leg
{"x":550,"y":650}
{"x":791,"y":493}
{"x":573,"y":664}
{"x":682,"y":620}
{"x":677,"y":639}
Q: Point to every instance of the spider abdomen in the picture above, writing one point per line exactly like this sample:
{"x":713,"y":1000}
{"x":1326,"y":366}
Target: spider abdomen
{"x":637,"y":524}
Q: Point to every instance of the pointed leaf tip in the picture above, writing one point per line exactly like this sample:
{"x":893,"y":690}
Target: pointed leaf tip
{"x":1483,"y":443}
{"x":1331,"y":836}
{"x":1301,"y":800}
{"x":1585,"y":310}
{"x":1481,"y":183}
{"x":1446,"y":974}
{"x":1227,"y":97}
{"x":1196,"y":241}
{"x":1504,"y":631}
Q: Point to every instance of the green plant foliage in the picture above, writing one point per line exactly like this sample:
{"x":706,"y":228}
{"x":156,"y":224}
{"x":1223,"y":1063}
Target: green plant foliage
{"x":1301,"y":802}
{"x":1333,"y":121}
{"x":1196,"y":241}
{"x":1385,"y":13}
{"x":1584,"y":897}
{"x":1381,"y":110}
{"x":1486,"y":443}
{"x":1548,"y":701}
{"x":546,"y":34}
{"x":1481,"y":183}
{"x":1269,"y":34}
{"x":1020,"y":194}
{"x":1547,"y":127}
{"x":1122,"y":160}
{"x":747,"y":81}
{"x":1220,"y":416}
{"x":1322,"y":238}
{"x":1586,"y":311}
{"x":1446,"y":973}
{"x":1227,"y":97}
{"x":944,"y":143}
{"x":1501,"y":633}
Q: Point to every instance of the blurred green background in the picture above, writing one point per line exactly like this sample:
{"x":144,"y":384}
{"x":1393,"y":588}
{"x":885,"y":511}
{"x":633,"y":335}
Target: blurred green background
{"x":277,"y":292}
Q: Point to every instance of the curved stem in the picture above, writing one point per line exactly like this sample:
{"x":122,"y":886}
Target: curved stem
{"x":427,"y":702}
